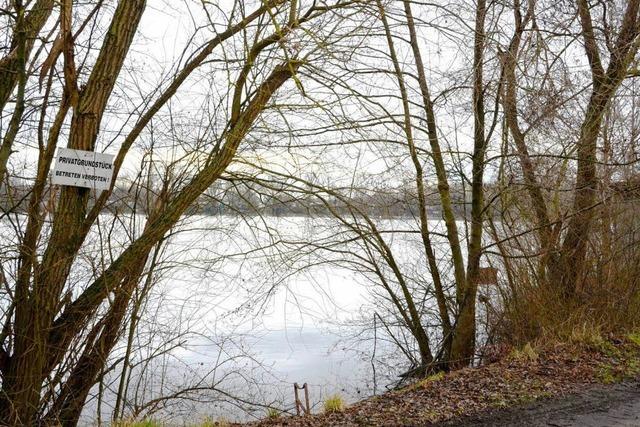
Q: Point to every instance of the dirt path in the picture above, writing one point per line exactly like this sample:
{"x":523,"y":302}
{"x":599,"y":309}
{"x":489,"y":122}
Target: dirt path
{"x":614,"y":405}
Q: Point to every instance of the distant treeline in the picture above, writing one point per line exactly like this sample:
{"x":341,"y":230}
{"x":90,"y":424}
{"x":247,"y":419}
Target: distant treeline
{"x":236,"y":197}
{"x":239,"y":198}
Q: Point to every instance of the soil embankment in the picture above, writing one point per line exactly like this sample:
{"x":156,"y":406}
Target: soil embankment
{"x":592,"y":383}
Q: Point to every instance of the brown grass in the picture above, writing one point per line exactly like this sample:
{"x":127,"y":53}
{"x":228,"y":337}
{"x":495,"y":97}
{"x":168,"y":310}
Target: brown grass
{"x":606,"y":302}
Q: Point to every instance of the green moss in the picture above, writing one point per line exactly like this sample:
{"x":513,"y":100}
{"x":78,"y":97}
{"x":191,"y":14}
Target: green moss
{"x":526,"y":398}
{"x":210,"y":422}
{"x":499,"y":402}
{"x":607,"y":375}
{"x":634,"y":338}
{"x":609,"y":349}
{"x":633,"y":368}
{"x":431,"y":416}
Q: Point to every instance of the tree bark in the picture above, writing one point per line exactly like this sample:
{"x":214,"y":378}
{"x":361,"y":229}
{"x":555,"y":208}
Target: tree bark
{"x":36,"y":308}
{"x":464,"y":340}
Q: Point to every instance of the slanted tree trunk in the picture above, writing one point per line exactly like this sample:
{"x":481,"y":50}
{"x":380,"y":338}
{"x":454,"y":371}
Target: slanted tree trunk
{"x":43,"y":328}
{"x":36,"y":308}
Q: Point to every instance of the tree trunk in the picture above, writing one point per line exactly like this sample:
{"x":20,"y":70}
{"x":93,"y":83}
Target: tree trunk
{"x":464,"y":340}
{"x":574,"y":247}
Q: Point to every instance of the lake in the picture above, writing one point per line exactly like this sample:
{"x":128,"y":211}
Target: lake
{"x":243,"y":307}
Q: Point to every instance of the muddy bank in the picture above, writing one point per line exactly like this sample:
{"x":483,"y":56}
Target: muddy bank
{"x":600,"y":406}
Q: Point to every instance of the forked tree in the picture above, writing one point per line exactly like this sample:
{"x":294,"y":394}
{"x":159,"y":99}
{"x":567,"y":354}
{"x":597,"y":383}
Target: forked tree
{"x":65,"y":62}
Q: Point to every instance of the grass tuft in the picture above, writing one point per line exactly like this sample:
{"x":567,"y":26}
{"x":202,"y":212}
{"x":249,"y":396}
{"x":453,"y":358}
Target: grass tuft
{"x":273,"y":413}
{"x":527,"y":354}
{"x":334,"y":403}
{"x":133,"y":423}
{"x":424,"y":382}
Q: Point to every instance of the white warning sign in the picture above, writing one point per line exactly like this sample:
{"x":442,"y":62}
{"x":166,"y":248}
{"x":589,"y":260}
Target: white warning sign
{"x":80,"y":168}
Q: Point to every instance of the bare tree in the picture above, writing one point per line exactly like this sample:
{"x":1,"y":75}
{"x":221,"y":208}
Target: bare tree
{"x":59,"y":337}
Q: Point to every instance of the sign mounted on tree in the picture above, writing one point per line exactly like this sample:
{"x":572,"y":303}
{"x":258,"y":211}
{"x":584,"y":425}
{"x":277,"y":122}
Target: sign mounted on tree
{"x":80,"y":168}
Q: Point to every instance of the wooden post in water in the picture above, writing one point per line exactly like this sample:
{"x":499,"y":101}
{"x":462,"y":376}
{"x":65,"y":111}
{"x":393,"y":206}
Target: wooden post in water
{"x":306,"y":408}
{"x":306,"y":398}
{"x":295,"y":394}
